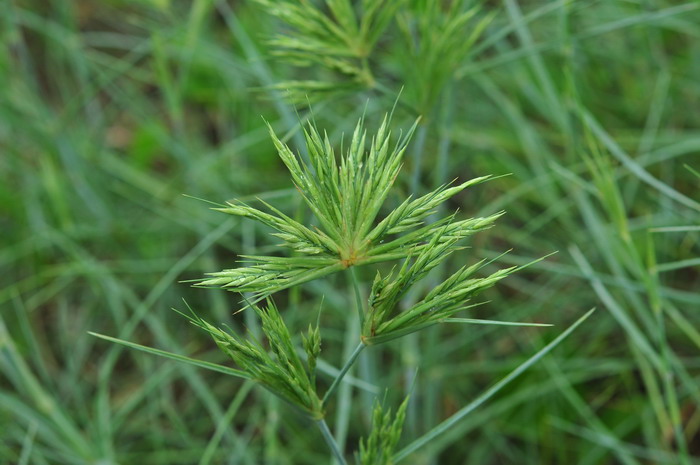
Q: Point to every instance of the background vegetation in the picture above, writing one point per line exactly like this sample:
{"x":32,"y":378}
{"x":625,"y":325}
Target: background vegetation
{"x":111,"y":110}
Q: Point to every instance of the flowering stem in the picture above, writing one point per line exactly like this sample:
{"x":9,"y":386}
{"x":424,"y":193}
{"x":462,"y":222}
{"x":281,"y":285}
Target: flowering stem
{"x":343,"y":370}
{"x":358,"y":296}
{"x":360,"y":346}
{"x":331,"y":442}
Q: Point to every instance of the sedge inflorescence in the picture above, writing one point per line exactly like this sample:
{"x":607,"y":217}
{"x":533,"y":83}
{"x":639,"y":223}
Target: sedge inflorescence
{"x":346,"y":194}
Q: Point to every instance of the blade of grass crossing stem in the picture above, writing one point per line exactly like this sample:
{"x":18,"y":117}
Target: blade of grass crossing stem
{"x":617,"y":256}
{"x":651,"y":364}
{"x":678,"y":265}
{"x":667,"y":229}
{"x":457,"y":417}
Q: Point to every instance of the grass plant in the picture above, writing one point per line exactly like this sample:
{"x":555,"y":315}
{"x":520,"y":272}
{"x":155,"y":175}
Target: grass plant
{"x":346,"y":198}
{"x":110,"y":111}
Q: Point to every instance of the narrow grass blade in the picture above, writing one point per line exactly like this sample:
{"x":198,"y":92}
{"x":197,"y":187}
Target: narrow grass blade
{"x":457,"y":417}
{"x":670,"y":266}
{"x":231,"y":412}
{"x":473,"y":321}
{"x":27,"y":445}
{"x":634,"y":167}
{"x":180,"y":358}
{"x":621,"y":316}
{"x":675,"y":229}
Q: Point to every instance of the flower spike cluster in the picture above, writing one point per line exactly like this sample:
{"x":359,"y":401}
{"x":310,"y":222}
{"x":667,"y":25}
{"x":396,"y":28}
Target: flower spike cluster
{"x":378,"y":448}
{"x":280,"y":369}
{"x":346,"y":194}
{"x":337,"y":35}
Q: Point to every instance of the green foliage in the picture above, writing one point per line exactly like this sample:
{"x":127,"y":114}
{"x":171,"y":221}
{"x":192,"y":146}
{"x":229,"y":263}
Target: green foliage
{"x":110,"y":111}
{"x":342,"y":36}
{"x":281,"y":371}
{"x":346,"y":197}
{"x":439,"y":37}
{"x":339,"y":35}
{"x":385,"y":321}
{"x":378,"y":448}
{"x":312,"y":346}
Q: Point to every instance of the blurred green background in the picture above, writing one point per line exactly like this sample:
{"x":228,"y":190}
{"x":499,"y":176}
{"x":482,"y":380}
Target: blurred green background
{"x":111,"y":110}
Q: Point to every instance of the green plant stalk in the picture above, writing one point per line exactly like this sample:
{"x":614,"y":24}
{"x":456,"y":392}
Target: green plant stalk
{"x":358,"y":296}
{"x":344,"y":403}
{"x":367,"y":365}
{"x":353,"y":356}
{"x":343,"y":371}
{"x":331,"y":442}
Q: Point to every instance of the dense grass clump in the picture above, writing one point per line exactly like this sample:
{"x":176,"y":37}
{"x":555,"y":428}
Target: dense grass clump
{"x":584,"y":115}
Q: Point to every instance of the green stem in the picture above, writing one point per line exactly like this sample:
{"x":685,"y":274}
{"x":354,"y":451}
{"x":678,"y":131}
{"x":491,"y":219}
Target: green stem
{"x":331,"y":442}
{"x":344,"y":370}
{"x":358,"y":296}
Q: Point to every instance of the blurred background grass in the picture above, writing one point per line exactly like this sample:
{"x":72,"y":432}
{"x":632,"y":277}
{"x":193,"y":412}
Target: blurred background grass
{"x":110,"y":111}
